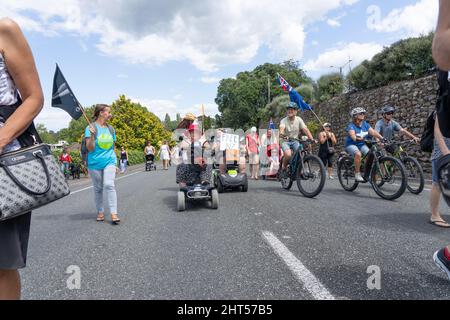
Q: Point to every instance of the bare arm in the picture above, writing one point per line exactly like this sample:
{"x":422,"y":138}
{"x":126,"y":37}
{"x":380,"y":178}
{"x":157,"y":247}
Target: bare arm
{"x":352,"y":134}
{"x":375,"y":134}
{"x":21,"y":66}
{"x":441,"y":41}
{"x":409,"y":134}
{"x":333,"y":138}
{"x":90,"y":142}
{"x":322,"y":137}
{"x":308,"y":133}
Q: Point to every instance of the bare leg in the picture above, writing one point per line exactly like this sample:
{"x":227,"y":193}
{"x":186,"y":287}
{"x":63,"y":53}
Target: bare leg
{"x":9,"y":285}
{"x":286,"y":158}
{"x":435,"y":196}
{"x":357,"y":162}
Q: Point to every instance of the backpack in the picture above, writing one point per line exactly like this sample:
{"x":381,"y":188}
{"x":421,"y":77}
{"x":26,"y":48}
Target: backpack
{"x":443,"y":105}
{"x":442,"y":112}
{"x":84,"y":149}
{"x":427,"y":139}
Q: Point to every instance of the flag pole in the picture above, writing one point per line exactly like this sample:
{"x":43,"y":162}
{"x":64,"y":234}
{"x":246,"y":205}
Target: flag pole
{"x":203,"y":119}
{"x":84,"y":113}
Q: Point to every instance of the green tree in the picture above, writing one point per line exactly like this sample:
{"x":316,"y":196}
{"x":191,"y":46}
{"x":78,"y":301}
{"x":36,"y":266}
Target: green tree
{"x":46,"y":136}
{"x":405,"y":59}
{"x":135,"y":125}
{"x":329,"y":85}
{"x":242,"y":100}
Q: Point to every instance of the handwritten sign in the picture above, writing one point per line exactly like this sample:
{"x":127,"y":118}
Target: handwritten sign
{"x":229,"y":142}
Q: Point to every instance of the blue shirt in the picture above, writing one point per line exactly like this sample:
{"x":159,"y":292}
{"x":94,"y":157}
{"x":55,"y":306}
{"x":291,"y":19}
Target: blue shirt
{"x":361,"y":132}
{"x":387,"y":130}
{"x":103,"y":155}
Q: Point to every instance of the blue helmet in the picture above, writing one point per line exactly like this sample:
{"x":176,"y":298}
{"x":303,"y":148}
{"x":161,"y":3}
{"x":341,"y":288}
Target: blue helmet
{"x":292,"y":105}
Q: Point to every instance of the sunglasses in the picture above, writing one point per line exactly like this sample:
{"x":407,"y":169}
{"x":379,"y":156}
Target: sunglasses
{"x":389,"y":113}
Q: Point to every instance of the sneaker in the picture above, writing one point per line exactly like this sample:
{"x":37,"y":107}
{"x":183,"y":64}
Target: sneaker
{"x":442,"y":262}
{"x":358,"y":177}
{"x":331,"y":177}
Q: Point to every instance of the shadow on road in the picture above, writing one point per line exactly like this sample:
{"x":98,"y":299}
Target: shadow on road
{"x":402,"y":222}
{"x":350,"y":282}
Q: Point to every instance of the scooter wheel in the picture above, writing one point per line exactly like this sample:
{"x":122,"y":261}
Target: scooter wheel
{"x":181,"y":203}
{"x":214,"y":199}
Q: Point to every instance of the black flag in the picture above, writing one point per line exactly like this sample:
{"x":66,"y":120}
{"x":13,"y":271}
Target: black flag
{"x":63,"y":96}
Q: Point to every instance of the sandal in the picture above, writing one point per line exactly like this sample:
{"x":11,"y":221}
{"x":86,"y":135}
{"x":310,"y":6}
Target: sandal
{"x":116,"y":220}
{"x":101,"y":217}
{"x":440,"y":223}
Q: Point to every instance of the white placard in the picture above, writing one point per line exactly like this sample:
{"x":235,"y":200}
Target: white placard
{"x":229,"y":142}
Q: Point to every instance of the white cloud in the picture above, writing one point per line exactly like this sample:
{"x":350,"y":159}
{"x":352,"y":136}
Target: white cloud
{"x":208,"y":34}
{"x":210,"y":80}
{"x":333,"y":23}
{"x":315,"y":43}
{"x":54,"y":119}
{"x":412,"y":20}
{"x":357,"y":52}
{"x":122,"y":76}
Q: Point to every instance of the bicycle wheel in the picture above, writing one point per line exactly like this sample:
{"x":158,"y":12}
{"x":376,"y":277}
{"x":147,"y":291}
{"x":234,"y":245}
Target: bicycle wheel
{"x":414,"y":175}
{"x":388,"y":178}
{"x":346,"y":174}
{"x":311,"y":177}
{"x":284,"y":177}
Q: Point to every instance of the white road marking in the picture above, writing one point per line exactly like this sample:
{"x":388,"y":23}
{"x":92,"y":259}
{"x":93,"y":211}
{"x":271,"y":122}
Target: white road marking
{"x":87,"y":188}
{"x":308,"y":280}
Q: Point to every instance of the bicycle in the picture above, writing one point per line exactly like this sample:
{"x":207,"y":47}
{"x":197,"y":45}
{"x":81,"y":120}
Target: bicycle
{"x":414,"y":171}
{"x":305,"y":168}
{"x":382,"y":171}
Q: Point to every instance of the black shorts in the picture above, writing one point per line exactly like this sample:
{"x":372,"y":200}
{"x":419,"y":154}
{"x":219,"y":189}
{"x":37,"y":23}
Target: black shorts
{"x":14,"y":234}
{"x":327,"y":160}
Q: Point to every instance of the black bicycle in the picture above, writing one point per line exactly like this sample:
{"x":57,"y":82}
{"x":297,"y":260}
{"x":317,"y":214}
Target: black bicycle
{"x":305,"y":168}
{"x":386,"y":174}
{"x":414,"y":171}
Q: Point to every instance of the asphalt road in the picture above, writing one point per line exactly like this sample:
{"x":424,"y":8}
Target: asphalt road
{"x":264,"y":244}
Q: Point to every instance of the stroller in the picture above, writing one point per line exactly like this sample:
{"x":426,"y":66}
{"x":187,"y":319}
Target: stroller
{"x":150,"y":162}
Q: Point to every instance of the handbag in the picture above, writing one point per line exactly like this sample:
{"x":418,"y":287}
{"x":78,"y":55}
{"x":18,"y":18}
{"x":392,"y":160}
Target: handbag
{"x":30,"y":178}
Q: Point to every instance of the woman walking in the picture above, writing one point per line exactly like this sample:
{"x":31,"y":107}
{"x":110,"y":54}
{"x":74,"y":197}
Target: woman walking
{"x":102,"y":160}
{"x":164,"y":153}
{"x":327,"y":141}
{"x":17,"y":75}
{"x":123,"y":160}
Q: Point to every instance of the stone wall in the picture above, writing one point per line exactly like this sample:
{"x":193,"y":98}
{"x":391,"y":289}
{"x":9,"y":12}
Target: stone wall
{"x":413,"y":99}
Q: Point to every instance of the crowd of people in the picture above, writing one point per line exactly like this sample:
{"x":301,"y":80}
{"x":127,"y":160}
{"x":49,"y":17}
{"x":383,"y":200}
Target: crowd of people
{"x":19,"y":75}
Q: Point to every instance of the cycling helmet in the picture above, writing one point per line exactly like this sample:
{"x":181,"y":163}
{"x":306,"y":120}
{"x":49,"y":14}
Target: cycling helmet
{"x":292,"y":105}
{"x":356,"y":111}
{"x":387,"y":109}
{"x":443,"y":169}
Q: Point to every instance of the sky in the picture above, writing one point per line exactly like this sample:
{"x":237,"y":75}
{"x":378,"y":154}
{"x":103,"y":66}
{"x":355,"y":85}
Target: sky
{"x":169,"y":55}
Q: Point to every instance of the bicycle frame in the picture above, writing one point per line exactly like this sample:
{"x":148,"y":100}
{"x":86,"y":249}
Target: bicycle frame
{"x":296,"y":161}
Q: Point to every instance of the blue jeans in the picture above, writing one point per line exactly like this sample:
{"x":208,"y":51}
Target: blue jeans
{"x":64,"y":167}
{"x":104,"y":179}
{"x":294,"y":145}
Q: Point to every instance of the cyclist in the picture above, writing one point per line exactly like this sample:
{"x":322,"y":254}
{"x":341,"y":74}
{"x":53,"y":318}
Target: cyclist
{"x":387,"y":125}
{"x":357,"y":131}
{"x":290,"y":127}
